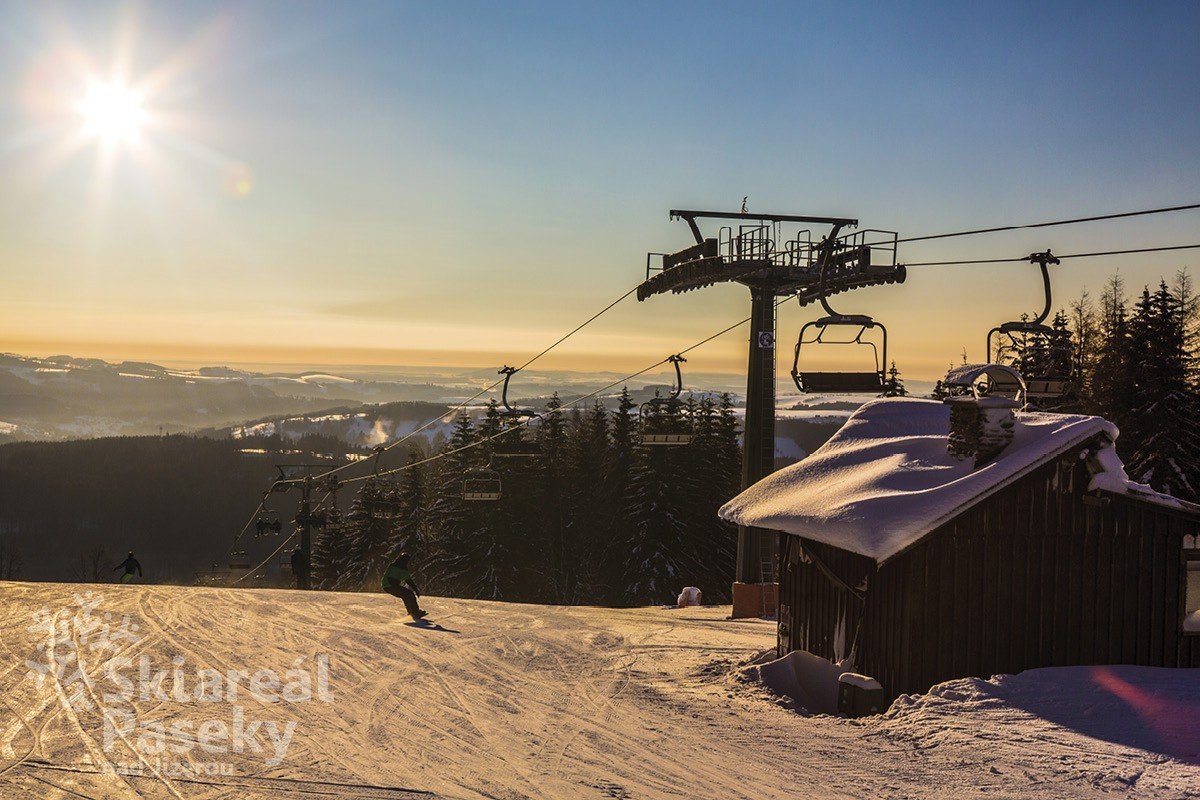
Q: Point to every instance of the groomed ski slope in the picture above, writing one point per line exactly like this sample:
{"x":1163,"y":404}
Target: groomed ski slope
{"x":516,"y":701}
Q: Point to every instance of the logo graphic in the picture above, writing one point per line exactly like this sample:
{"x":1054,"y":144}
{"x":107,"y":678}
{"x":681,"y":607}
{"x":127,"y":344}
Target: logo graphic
{"x":157,"y":718}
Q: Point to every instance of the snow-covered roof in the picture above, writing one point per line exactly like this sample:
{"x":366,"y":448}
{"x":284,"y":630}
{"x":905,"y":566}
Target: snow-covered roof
{"x":886,"y":478}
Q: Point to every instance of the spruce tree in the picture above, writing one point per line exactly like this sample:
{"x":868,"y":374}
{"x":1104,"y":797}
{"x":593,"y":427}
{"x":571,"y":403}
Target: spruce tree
{"x":894,"y":385}
{"x":654,"y":561}
{"x":1163,"y":423}
{"x":1112,"y":384}
{"x":450,"y":519}
{"x":590,"y":518}
{"x":552,"y":491}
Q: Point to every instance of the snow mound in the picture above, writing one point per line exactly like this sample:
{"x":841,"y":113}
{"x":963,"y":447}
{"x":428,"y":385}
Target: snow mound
{"x":886,"y":478}
{"x":1151,"y":709}
{"x":810,"y":681}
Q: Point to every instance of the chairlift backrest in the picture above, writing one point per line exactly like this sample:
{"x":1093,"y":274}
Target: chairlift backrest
{"x":1053,"y":385}
{"x":482,"y":483}
{"x":842,"y":382}
{"x":509,"y":412}
{"x":673,"y":428}
{"x":985,"y":380}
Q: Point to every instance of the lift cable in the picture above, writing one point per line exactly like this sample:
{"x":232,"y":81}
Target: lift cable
{"x":569,"y":404}
{"x":433,"y":421}
{"x":266,"y":560}
{"x":282,"y":544}
{"x":1069,"y":255}
{"x":261,"y":505}
{"x":514,"y":427}
{"x":1121,"y":215}
{"x":572,"y":332}
{"x":722,"y":332}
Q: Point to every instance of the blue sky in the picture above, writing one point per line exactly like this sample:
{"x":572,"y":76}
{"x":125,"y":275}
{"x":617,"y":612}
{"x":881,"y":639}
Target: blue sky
{"x":457,"y":183}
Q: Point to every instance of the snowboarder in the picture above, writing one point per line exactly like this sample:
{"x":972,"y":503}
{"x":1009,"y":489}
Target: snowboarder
{"x":130,"y":565}
{"x":300,"y":568}
{"x":398,"y":582}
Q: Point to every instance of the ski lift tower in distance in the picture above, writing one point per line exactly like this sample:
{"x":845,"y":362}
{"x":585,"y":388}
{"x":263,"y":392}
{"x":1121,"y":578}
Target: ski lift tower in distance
{"x":772,"y":255}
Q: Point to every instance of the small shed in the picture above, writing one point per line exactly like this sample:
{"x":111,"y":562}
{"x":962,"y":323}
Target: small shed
{"x":909,"y":557}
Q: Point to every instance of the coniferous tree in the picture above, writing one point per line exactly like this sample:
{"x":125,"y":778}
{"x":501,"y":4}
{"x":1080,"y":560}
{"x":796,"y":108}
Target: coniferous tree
{"x":1166,"y":436}
{"x":590,"y":519}
{"x":552,"y":495}
{"x":894,"y":385}
{"x":410,"y":531}
{"x":1111,"y":393}
{"x":363,"y":537}
{"x":1083,"y":324}
{"x":453,"y":556}
{"x":657,"y":530}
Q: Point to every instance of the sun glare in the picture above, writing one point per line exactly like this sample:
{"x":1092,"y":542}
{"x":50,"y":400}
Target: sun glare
{"x":113,"y":112}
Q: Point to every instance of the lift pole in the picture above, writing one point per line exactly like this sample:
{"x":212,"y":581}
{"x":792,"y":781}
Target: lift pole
{"x":304,"y":515}
{"x":758,"y":459}
{"x":304,"y":581}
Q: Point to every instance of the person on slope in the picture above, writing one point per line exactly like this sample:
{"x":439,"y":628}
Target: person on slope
{"x":398,"y":582}
{"x":130,"y":565}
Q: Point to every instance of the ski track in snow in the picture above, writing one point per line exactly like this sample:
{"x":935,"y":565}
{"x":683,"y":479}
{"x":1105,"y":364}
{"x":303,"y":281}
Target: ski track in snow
{"x":518,"y":701}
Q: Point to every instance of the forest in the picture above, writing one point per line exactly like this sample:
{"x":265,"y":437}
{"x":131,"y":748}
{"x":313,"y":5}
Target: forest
{"x":595,"y":518}
{"x":590,"y":518}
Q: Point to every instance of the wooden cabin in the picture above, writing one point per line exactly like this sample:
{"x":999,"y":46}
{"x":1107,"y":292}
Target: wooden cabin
{"x":914,"y":553}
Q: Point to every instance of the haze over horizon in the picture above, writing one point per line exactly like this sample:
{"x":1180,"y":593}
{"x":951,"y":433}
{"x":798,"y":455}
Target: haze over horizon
{"x":456,"y":186}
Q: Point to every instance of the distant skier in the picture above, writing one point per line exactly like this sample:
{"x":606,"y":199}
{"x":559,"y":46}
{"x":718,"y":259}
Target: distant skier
{"x":398,"y":582}
{"x":130,"y":565}
{"x":300,"y":568}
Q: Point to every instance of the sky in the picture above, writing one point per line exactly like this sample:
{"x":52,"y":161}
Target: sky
{"x":460,"y":183}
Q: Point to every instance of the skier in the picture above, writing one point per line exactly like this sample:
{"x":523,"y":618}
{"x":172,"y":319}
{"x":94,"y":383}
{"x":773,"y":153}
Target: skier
{"x":130,"y":564}
{"x":394,"y":581}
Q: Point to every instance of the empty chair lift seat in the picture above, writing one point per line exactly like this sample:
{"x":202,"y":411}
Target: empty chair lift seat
{"x":842,"y":382}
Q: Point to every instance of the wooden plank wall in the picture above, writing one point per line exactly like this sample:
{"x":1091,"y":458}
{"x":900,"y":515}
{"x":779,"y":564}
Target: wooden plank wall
{"x":1040,"y":574}
{"x":813,"y":605}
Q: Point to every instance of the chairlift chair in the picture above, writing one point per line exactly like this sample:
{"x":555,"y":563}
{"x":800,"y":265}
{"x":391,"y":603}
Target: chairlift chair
{"x":865,"y":382}
{"x":239,"y":560}
{"x":862,"y":382}
{"x":985,"y":380}
{"x":1048,"y":383}
{"x":481,"y":483}
{"x":513,"y":444}
{"x":667,"y":421}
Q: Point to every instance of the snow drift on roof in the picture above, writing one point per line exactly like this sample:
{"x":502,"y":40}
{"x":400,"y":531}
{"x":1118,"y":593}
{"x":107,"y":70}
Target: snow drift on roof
{"x":886,"y":479}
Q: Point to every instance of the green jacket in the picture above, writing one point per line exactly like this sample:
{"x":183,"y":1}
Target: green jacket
{"x":397,"y":576}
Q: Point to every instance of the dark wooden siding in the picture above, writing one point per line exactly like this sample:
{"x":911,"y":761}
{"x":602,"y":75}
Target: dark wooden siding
{"x":1040,"y":574}
{"x":815,"y":614}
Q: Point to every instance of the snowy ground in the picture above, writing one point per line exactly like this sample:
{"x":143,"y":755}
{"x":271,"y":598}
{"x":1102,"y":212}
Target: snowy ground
{"x":512,"y":701}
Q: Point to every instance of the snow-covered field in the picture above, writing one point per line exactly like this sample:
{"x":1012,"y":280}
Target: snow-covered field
{"x":213,"y":693}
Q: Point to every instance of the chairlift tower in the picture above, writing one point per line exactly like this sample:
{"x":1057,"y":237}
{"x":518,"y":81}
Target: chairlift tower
{"x":773,"y":255}
{"x":302,"y":476}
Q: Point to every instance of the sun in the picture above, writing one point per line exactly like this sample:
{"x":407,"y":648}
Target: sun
{"x":113,"y":112}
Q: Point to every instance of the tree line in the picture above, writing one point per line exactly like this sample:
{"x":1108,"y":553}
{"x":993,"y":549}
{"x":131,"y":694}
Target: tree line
{"x":590,"y":517}
{"x":1133,"y":361}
